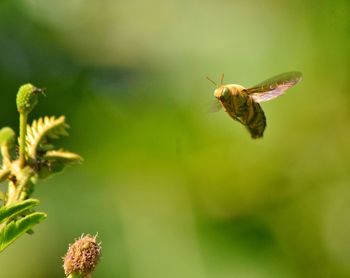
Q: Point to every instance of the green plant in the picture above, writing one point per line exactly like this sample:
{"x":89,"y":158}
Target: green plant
{"x":37,"y":159}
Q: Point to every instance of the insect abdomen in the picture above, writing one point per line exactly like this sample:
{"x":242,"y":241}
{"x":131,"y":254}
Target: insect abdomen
{"x":255,"y":119}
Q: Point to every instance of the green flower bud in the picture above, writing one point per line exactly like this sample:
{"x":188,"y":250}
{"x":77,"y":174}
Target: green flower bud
{"x":82,"y":256}
{"x":7,"y":136}
{"x":27,"y":98}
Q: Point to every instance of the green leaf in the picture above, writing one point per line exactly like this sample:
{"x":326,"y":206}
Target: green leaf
{"x":41,"y":131}
{"x":14,"y":210}
{"x":15,"y":229}
{"x":63,"y":156}
{"x":49,"y":168}
{"x":54,"y":161}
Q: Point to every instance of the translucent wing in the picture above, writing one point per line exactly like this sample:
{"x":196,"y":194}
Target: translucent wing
{"x":214,"y":106}
{"x":275,"y":86}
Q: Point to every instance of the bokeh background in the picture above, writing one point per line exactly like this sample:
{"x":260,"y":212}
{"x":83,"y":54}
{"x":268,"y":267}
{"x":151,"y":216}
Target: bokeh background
{"x":172,"y":190}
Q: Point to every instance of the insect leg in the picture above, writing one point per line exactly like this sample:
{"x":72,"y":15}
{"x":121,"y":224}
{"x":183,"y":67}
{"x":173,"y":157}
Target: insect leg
{"x":231,"y":109}
{"x":250,"y":112}
{"x":238,"y":119}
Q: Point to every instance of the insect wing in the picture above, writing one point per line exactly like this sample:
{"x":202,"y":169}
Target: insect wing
{"x":214,"y":106}
{"x":274,"y":87}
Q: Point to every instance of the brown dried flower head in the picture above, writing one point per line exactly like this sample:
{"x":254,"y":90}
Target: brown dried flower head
{"x":82,"y":256}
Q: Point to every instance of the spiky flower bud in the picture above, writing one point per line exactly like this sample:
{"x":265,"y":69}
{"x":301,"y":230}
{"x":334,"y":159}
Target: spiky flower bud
{"x":82,"y":256}
{"x":27,"y":98}
{"x":7,"y":136}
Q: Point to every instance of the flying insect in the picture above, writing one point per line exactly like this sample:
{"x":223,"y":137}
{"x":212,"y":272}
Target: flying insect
{"x":242,"y":104}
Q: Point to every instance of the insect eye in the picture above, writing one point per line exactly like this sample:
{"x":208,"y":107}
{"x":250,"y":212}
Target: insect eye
{"x":225,"y":93}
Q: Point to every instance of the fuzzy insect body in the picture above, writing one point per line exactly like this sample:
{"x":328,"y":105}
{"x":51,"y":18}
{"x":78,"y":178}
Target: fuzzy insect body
{"x":242,"y":104}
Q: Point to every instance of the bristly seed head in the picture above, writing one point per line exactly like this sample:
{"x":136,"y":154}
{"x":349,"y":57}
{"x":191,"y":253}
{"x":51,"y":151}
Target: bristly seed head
{"x":82,"y":256}
{"x":27,"y":98}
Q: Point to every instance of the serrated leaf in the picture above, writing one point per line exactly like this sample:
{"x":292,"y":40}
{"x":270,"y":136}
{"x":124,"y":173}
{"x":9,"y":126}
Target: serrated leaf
{"x":63,"y":156}
{"x":15,"y":229}
{"x":41,"y":131}
{"x":14,"y":210}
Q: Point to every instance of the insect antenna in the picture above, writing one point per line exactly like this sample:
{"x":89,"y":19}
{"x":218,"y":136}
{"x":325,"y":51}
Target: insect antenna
{"x":222,"y":79}
{"x":212,"y":81}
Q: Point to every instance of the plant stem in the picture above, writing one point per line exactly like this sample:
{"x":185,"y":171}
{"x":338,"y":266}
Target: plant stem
{"x":22,"y":186}
{"x":11,"y":194}
{"x":5,"y":155}
{"x":23,"y":118}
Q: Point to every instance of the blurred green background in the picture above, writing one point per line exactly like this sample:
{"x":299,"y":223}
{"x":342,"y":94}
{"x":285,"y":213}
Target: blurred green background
{"x":172,"y":190}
